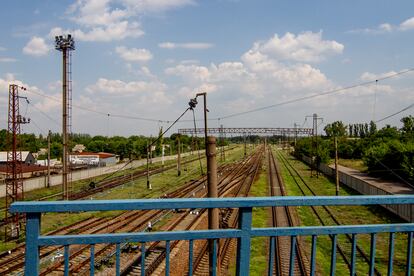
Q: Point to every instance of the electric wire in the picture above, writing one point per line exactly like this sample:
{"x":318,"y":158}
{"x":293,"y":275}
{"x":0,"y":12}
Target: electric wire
{"x":334,"y":91}
{"x":197,"y":146}
{"x":44,"y":114}
{"x":396,"y":113}
{"x":330,"y":92}
{"x":148,"y":147}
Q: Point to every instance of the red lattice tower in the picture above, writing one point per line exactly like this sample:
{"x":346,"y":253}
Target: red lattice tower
{"x":14,"y":181}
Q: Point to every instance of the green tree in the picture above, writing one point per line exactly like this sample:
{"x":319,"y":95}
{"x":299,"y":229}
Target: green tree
{"x":335,"y":129}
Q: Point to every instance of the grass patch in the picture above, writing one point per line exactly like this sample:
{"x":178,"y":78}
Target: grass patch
{"x":356,"y":164}
{"x":259,"y":247}
{"x":346,"y":215}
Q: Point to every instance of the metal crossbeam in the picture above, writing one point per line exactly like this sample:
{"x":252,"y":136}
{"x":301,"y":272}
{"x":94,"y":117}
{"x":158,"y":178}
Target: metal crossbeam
{"x":250,"y":130}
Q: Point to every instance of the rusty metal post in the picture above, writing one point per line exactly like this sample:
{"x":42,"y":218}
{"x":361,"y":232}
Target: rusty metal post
{"x":178,"y":155}
{"x":48,"y":159}
{"x":336,"y":166}
{"x":213,"y":214}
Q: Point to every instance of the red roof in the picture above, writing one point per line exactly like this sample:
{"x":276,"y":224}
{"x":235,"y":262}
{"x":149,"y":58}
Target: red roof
{"x":102,"y":155}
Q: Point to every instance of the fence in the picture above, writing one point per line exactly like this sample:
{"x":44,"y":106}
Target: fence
{"x":244,"y":233}
{"x":405,"y":212}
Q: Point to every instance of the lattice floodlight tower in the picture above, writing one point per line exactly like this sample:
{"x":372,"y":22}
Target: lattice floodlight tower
{"x":14,"y":181}
{"x":66,"y":44}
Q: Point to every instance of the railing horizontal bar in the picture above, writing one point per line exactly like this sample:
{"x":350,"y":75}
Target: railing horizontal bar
{"x":138,"y":237}
{"x":224,"y":233}
{"x":327,"y":230}
{"x":188,"y":203}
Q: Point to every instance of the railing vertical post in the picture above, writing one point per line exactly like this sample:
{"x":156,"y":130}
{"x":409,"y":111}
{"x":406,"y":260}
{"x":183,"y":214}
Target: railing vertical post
{"x":32,"y":248}
{"x":243,"y":243}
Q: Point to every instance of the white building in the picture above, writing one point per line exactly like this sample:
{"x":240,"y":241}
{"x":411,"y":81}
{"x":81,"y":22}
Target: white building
{"x":92,"y":158}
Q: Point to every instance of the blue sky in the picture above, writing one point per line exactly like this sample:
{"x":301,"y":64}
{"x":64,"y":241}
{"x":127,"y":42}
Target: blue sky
{"x":147,"y":58}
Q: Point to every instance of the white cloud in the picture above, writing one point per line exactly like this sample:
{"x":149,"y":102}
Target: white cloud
{"x":7,"y":59}
{"x":304,"y":47}
{"x":111,"y":32}
{"x":268,"y":72}
{"x":145,"y":6}
{"x":383,"y":28}
{"x":188,"y":45}
{"x":133,"y":54}
{"x":36,"y":47}
{"x":118,"y":87}
{"x":109,"y":20}
{"x":407,"y":24}
{"x":3,"y":49}
{"x":143,"y":92}
{"x":368,"y":76}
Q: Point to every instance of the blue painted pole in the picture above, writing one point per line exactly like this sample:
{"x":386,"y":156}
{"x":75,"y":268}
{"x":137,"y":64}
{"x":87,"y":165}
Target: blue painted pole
{"x":353,"y":254}
{"x":143,"y":259}
{"x":32,"y":248}
{"x":271,"y":256}
{"x":333,"y":255}
{"x":190,"y":257}
{"x":118,"y":259}
{"x":292,"y":255}
{"x":313,"y":256}
{"x":243,"y":245}
{"x":391,"y":254}
{"x":167,"y":258}
{"x":409,"y":253}
{"x":372,"y":254}
{"x":66,"y":255}
{"x":92,"y":263}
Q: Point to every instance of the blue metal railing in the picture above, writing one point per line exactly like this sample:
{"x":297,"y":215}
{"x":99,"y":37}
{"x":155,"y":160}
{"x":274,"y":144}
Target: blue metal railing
{"x":244,"y":233}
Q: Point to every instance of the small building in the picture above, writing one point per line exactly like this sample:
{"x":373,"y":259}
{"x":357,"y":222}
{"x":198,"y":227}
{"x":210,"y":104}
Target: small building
{"x":78,"y":148}
{"x":100,"y":159}
{"x":27,"y":157}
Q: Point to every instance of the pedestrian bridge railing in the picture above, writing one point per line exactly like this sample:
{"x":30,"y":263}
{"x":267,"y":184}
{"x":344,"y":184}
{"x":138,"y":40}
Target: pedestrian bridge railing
{"x":244,"y":233}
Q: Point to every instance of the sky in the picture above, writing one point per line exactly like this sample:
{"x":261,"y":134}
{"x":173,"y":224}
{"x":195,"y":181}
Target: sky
{"x":147,"y":58}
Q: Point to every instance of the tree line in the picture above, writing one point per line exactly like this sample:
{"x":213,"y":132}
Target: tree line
{"x":387,"y":152}
{"x":134,"y":146}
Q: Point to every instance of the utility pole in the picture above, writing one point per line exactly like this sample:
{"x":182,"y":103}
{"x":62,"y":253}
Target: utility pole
{"x":14,"y":178}
{"x":148,"y":156}
{"x":178,"y":156}
{"x":295,"y":125}
{"x":336,"y":166}
{"x":162,"y":154}
{"x":65,"y":44}
{"x":213,"y":214}
{"x":316,"y":159}
{"x":48,"y":159}
{"x":245,"y":150}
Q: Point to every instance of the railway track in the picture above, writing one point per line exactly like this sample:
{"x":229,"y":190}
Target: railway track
{"x":226,"y":247}
{"x":52,"y":258}
{"x":321,"y":212}
{"x":107,"y":184}
{"x":13,"y":262}
{"x":283,"y":217}
{"x":232,"y":180}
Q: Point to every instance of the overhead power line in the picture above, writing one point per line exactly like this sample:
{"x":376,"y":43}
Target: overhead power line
{"x":334,"y":91}
{"x":330,"y":92}
{"x":396,"y":113}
